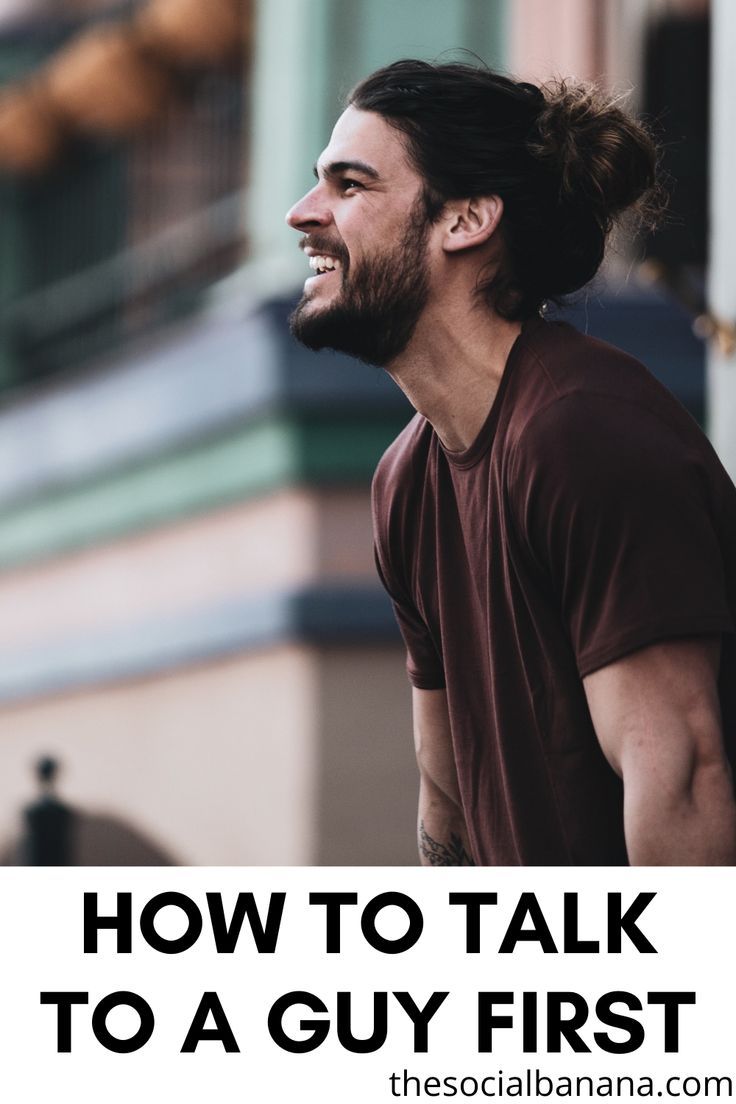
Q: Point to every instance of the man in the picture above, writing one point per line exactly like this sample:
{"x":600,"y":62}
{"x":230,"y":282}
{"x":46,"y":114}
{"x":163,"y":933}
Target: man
{"x":557,"y":535}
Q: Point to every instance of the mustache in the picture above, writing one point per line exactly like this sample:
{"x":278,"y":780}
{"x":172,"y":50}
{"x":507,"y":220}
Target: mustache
{"x":324,"y":245}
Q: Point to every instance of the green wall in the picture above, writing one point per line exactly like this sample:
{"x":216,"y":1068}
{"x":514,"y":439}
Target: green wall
{"x":257,"y":458}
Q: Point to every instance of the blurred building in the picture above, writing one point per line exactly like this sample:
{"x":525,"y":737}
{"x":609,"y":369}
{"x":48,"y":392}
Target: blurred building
{"x":189,"y":614}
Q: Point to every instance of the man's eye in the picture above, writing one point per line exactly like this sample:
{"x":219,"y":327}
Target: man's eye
{"x":347,"y":184}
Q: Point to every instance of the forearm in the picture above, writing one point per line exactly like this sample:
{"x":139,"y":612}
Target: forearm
{"x":441,"y":830}
{"x":694,"y":825}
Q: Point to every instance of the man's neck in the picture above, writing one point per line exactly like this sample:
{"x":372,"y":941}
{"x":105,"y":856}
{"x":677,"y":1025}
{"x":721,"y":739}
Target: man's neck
{"x":452,"y":369}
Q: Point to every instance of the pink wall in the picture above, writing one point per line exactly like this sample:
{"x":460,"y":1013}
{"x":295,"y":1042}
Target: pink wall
{"x":280,"y":541}
{"x":291,"y":755}
{"x":563,"y":38}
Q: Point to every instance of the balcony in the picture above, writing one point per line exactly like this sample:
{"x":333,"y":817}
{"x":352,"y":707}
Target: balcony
{"x":117,"y":237}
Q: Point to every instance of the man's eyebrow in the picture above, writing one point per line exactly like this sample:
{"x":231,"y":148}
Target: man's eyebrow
{"x":337,"y":167}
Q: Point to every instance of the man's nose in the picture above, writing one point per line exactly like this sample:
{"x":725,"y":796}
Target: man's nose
{"x":310,"y":211}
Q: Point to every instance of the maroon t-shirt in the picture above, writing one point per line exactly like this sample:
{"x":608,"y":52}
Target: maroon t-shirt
{"x":589,"y":518}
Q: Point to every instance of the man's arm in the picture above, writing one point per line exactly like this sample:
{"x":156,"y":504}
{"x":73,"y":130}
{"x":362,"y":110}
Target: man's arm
{"x":441,"y":830}
{"x":657,"y":716}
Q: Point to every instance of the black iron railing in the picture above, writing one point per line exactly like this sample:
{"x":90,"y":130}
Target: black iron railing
{"x":121,"y":237}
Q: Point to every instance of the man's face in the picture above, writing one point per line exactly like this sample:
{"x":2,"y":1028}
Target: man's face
{"x":366,"y":236}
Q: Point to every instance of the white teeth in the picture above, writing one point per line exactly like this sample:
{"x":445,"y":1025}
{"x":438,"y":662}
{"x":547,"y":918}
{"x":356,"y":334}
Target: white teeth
{"x":320,"y":264}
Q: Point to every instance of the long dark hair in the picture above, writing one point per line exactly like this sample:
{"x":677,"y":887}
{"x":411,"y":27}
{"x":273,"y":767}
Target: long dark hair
{"x":565,"y":159}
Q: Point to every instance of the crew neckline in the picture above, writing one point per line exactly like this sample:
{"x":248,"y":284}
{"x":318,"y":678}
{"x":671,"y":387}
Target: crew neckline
{"x":466,"y":458}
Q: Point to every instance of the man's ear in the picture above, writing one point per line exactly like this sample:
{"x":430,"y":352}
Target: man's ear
{"x":471,"y":222}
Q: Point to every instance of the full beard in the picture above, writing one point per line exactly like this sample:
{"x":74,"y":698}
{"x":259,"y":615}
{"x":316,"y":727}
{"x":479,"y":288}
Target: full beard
{"x":376,"y":312}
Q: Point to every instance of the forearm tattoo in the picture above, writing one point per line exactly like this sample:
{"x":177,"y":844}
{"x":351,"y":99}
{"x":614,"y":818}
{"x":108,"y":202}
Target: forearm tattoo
{"x":443,"y":854}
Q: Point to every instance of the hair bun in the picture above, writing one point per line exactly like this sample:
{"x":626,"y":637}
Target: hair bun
{"x":601,"y":156}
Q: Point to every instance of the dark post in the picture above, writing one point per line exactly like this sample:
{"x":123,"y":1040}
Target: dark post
{"x":48,"y":822}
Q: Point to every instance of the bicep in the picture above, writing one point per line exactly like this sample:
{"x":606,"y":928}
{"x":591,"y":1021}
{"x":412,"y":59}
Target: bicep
{"x":433,"y":741}
{"x":656,"y":712}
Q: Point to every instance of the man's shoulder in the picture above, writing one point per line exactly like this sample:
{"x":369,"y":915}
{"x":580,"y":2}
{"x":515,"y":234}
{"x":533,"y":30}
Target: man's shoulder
{"x":599,"y":424}
{"x":569,"y":379}
{"x":561,"y":360}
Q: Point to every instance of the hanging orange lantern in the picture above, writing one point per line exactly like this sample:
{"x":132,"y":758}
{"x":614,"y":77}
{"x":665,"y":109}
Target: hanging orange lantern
{"x":193,"y":32}
{"x":30,"y":137}
{"x":104,"y":83}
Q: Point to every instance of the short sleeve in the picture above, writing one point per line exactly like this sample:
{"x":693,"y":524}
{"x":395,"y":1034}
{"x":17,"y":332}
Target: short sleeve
{"x":423,"y":664}
{"x":614,"y":507}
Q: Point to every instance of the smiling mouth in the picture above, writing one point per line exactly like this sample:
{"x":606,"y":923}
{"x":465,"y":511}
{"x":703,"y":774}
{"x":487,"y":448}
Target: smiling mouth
{"x":320,"y":264}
